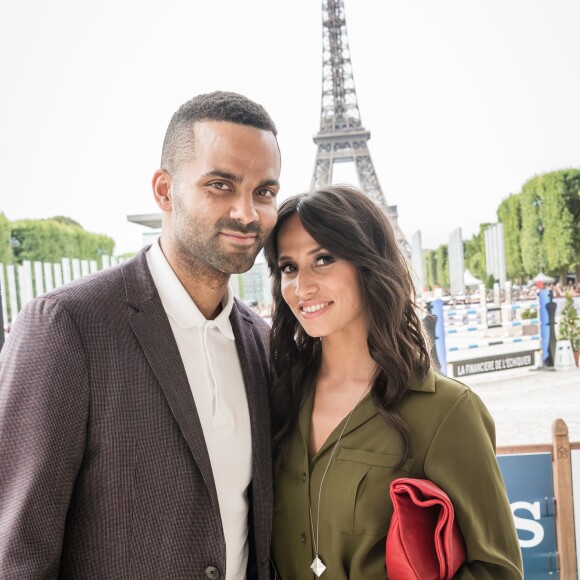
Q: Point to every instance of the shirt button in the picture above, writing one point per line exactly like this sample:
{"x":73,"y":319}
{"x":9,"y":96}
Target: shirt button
{"x":303,"y":477}
{"x":303,"y":538}
{"x":212,"y":573}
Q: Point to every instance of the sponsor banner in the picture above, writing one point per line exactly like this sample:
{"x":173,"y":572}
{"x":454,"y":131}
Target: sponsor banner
{"x":491,"y":364}
{"x":528,"y":480}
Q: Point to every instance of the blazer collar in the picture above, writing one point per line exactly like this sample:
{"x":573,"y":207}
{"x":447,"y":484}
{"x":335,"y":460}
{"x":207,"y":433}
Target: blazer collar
{"x":177,"y":302}
{"x":153,"y":331}
{"x":139,"y":285}
{"x":253,"y":357}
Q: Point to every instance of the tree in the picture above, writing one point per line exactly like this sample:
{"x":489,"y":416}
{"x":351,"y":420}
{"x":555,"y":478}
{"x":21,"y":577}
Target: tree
{"x":442,"y":266}
{"x":126,"y":256}
{"x":558,"y":220}
{"x":509,"y":213}
{"x":532,"y":232}
{"x":50,"y":240}
{"x":66,"y":220}
{"x":569,"y":328}
{"x":5,"y":240}
{"x":474,"y":253}
{"x":430,"y":266}
{"x":550,"y":211}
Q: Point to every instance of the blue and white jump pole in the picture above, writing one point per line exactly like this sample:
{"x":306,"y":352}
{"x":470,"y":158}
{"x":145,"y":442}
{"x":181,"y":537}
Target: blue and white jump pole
{"x":437,"y":310}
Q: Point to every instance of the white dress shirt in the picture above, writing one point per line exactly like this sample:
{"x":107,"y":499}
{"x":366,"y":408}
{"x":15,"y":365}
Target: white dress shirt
{"x":208,"y":352}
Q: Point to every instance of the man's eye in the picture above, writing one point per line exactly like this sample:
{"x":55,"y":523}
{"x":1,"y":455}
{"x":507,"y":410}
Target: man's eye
{"x":220,"y":185}
{"x":265,"y":192}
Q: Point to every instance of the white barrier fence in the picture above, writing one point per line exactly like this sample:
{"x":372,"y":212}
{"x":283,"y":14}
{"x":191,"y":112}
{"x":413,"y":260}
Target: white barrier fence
{"x":462,"y":321}
{"x":506,"y":335}
{"x":483,"y":343}
{"x":20,"y":283}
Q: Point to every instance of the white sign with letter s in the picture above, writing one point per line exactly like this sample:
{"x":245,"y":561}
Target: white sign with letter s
{"x":529,"y":525}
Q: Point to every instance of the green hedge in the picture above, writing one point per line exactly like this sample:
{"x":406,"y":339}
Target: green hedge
{"x":49,"y":240}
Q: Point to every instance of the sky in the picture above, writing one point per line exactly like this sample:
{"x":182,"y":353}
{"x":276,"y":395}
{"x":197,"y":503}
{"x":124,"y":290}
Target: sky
{"x":465,"y":99}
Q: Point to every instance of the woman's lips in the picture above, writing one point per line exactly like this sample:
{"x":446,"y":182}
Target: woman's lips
{"x":314,"y":310}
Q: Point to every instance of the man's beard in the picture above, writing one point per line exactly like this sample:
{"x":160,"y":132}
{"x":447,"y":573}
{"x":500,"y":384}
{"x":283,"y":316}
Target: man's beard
{"x":195,"y":244}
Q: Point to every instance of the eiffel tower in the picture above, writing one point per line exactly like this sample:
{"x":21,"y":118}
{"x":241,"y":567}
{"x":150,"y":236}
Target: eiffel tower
{"x":342,"y":137}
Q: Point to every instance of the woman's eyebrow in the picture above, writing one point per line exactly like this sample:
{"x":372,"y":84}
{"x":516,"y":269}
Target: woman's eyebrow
{"x":313,"y":251}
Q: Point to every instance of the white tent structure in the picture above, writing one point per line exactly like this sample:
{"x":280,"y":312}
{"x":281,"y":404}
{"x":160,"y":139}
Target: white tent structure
{"x":545,"y":279}
{"x":470,"y":280}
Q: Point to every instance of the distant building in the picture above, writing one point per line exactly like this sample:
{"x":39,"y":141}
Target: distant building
{"x":417,"y":263}
{"x":149,"y":220}
{"x":495,"y":253}
{"x":456,"y":263}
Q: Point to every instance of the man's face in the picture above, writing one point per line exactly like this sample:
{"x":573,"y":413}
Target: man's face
{"x":224,"y":197}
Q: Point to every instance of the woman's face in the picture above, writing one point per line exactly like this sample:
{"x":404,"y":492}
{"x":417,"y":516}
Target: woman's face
{"x":322,"y":291}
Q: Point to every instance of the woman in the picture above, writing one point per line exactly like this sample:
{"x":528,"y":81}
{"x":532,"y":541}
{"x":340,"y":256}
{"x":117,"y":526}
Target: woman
{"x":356,"y":403}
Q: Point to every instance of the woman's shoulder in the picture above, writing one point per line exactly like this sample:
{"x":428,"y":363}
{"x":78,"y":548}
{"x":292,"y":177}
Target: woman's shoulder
{"x":438,"y":395}
{"x":450,"y":386}
{"x":435,"y":383}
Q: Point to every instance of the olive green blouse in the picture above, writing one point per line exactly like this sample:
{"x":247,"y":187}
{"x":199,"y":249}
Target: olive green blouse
{"x":453,"y":444}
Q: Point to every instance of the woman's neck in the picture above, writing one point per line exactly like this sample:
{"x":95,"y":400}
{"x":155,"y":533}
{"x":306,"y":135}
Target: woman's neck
{"x":346,"y":361}
{"x":345,"y":376}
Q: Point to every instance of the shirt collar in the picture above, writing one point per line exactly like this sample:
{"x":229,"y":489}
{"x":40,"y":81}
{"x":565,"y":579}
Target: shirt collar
{"x":176,"y":301}
{"x":426,"y":385}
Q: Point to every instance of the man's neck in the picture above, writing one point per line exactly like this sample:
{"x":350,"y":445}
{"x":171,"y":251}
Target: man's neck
{"x":207,"y":298}
{"x":204,"y":285}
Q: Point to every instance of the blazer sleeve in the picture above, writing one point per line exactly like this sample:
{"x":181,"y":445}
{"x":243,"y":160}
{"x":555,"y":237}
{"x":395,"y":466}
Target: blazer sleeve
{"x":462,"y":461}
{"x":43,"y":416}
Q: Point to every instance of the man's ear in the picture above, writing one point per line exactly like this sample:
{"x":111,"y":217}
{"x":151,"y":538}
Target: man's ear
{"x":162,"y":190}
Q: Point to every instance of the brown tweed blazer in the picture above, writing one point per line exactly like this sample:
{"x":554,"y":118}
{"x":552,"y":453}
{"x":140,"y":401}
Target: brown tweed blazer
{"x":104,"y":470}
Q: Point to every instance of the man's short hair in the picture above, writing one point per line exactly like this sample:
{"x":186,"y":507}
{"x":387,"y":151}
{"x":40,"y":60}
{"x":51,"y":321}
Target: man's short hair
{"x":217,"y":106}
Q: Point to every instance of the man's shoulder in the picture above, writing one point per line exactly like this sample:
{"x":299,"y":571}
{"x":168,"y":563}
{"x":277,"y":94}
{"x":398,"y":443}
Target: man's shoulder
{"x":101,"y":290}
{"x":97,"y":286}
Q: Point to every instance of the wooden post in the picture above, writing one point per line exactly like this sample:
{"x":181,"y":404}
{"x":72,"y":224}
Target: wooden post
{"x":562,"y":472}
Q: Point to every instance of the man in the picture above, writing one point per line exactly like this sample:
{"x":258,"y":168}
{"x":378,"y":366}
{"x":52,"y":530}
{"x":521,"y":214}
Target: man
{"x":134,"y":423}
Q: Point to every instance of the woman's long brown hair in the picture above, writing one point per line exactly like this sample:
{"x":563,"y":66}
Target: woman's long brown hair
{"x":349,"y":225}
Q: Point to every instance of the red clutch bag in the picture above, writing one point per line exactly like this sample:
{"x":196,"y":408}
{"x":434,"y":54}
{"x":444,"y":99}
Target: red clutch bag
{"x":424,"y":541}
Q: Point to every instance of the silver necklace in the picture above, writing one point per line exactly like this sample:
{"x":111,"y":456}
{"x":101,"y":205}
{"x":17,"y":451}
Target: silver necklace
{"x":317,"y":565}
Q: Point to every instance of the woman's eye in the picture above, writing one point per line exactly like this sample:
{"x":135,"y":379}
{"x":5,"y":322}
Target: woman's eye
{"x":324,"y":260}
{"x":287,"y":268}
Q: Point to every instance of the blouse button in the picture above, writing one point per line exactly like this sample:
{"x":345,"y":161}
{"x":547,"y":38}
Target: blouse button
{"x":303,"y":477}
{"x":303,"y":538}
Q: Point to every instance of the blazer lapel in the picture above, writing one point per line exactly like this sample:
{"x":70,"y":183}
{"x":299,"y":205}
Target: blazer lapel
{"x":253,"y":358}
{"x":153,"y":331}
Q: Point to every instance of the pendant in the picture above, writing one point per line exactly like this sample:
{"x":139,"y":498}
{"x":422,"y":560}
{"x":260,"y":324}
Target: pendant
{"x":317,"y":566}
